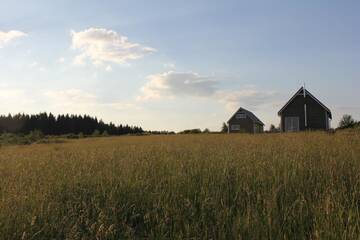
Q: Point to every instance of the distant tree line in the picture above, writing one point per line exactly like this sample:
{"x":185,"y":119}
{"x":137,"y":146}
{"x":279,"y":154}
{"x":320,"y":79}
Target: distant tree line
{"x":194,"y":131}
{"x":163,"y":132}
{"x":191,"y":131}
{"x":49,"y":124}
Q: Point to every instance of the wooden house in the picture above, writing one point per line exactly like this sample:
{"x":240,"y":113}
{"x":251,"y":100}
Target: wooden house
{"x":304,"y":112}
{"x":244,"y":121}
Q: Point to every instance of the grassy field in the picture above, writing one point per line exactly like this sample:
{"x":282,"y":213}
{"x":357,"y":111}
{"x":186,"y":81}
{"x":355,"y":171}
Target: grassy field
{"x":295,"y":186}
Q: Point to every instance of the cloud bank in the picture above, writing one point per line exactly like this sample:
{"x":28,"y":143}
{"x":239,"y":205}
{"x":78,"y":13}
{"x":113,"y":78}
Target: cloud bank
{"x":7,"y":37}
{"x":99,"y":46}
{"x":247,"y":96}
{"x":172,"y":84}
{"x":179,"y":84}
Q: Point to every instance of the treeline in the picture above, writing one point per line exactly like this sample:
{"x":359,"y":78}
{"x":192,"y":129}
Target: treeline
{"x":195,"y":131}
{"x":49,"y":124}
{"x":164,"y":132}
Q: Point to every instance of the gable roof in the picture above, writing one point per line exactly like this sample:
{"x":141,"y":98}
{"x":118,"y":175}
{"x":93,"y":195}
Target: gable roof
{"x":300,"y":92}
{"x":248,"y":113}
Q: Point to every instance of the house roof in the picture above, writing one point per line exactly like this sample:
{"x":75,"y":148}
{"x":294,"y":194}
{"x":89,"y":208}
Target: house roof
{"x":248,"y":113}
{"x":301,"y":91}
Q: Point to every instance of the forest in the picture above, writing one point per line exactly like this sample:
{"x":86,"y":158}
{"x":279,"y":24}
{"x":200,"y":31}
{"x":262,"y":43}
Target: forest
{"x":50,"y":124}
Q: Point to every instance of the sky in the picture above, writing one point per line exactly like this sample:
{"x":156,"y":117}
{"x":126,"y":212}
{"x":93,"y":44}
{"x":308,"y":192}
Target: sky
{"x":174,"y":65}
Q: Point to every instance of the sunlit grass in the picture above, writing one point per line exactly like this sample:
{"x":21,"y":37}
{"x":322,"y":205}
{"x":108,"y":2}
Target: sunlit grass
{"x":291,"y":186}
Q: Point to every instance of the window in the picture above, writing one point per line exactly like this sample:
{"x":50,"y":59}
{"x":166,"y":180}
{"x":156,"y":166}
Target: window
{"x":235,"y":127}
{"x":240,"y":115}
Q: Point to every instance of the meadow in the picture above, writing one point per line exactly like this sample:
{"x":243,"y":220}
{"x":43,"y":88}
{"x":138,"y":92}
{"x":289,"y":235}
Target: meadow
{"x":207,"y":186}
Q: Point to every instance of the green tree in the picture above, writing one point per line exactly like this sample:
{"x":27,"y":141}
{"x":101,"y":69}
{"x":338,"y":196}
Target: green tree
{"x":347,"y":121}
{"x":273,"y":129}
{"x":36,"y":135}
{"x":96,"y":133}
{"x":206,"y":130}
{"x":224,"y":128}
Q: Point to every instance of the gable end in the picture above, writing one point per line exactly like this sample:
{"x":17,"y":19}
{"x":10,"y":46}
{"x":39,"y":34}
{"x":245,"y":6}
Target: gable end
{"x":300,"y":92}
{"x":248,"y":114}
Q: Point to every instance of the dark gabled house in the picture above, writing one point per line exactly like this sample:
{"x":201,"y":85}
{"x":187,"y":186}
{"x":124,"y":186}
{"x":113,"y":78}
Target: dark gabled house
{"x":244,"y":121}
{"x":304,"y":112}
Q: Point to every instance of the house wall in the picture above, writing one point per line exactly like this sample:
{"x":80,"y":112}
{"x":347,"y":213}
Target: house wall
{"x":258,"y":128}
{"x":316,"y":118}
{"x":246,"y":125}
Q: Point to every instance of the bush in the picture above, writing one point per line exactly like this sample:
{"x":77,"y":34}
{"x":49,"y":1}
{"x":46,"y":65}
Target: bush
{"x":347,"y":121}
{"x":50,"y":140}
{"x":274,"y":129}
{"x":191,"y":131}
{"x":72,"y":136}
{"x":206,"y":130}
{"x":35,"y":135}
{"x":224,"y":128}
{"x":96,"y":133}
{"x":20,"y":139}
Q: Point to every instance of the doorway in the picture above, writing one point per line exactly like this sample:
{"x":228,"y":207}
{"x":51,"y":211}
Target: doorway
{"x":292,"y":124}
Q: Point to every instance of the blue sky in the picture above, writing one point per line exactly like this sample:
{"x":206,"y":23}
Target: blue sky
{"x":177,"y":64}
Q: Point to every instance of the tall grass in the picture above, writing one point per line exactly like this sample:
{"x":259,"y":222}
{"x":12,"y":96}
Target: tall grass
{"x":295,"y":186}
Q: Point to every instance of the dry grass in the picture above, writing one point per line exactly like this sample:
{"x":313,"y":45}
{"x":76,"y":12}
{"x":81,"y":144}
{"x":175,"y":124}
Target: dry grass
{"x":296,"y":186}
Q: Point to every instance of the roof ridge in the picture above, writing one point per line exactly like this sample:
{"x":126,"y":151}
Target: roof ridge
{"x":310,"y":94}
{"x":251,"y":115}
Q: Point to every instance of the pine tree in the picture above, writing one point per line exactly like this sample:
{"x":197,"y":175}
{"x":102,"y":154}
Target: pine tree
{"x":61,"y":124}
{"x":224,"y":128}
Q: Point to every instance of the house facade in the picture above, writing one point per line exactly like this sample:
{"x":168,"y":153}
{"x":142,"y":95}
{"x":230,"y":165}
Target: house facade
{"x":244,"y":121}
{"x":304,"y":112}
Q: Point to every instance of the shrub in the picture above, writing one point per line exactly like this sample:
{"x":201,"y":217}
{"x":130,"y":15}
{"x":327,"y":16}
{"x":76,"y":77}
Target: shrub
{"x":206,"y":130}
{"x":347,"y":121}
{"x":72,"y":136}
{"x":191,"y":131}
{"x":96,"y":133}
{"x":35,"y":135}
{"x":224,"y":128}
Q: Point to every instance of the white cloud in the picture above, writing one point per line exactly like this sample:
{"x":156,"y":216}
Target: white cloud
{"x":7,"y":37}
{"x":34,"y":64}
{"x":178,"y":84}
{"x":170,"y":65}
{"x":171,"y":84}
{"x":108,"y":68}
{"x":38,"y":66}
{"x":61,"y":60}
{"x":79,"y":60}
{"x":248,"y":96}
{"x":99,"y":46}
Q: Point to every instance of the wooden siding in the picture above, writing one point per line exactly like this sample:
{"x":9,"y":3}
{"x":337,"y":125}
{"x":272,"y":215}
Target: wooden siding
{"x":246,"y":125}
{"x":316,"y":115}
